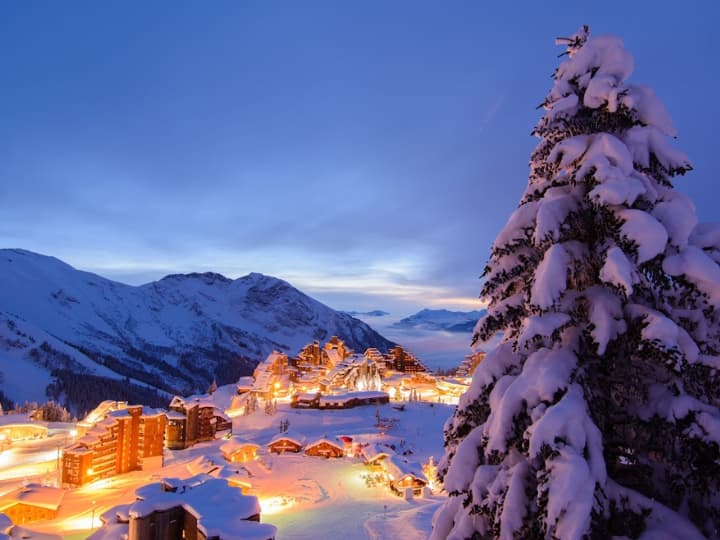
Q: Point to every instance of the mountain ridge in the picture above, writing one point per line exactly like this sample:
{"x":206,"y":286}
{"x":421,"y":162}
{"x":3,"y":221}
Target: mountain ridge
{"x":440,"y":320}
{"x":173,"y":335}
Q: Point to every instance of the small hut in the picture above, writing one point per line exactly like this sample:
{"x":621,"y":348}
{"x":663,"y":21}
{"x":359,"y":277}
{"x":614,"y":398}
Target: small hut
{"x":286,"y":442}
{"x":403,"y":475}
{"x":237,"y":450}
{"x":325,"y":448}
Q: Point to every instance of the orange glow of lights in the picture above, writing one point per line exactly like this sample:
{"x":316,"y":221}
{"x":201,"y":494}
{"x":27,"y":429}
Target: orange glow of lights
{"x":274,"y":505}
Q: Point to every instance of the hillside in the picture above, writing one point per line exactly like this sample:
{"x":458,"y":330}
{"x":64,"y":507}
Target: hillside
{"x":174,"y":335}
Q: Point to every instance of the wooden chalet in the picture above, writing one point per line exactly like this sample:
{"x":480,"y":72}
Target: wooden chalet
{"x":286,"y":442}
{"x":325,"y":448}
{"x":239,"y":451}
{"x":373,"y":454}
{"x":403,"y":475}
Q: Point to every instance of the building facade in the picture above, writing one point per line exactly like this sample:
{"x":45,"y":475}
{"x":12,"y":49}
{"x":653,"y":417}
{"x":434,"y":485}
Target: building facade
{"x":192,"y":420}
{"x":125,"y":440}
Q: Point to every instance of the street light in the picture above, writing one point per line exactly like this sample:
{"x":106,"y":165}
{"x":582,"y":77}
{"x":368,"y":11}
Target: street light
{"x":92,"y":519}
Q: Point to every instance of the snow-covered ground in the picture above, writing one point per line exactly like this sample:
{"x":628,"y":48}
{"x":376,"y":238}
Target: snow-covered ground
{"x":305,"y":497}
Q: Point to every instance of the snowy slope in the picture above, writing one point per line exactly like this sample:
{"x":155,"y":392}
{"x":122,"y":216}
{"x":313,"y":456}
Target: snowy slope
{"x":175,"y":334}
{"x":441,"y":319}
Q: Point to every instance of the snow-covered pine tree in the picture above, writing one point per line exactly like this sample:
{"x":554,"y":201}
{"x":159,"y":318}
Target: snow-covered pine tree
{"x":597,"y":413}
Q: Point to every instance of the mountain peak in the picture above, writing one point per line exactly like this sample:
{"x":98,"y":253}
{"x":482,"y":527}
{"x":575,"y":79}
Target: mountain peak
{"x":257,"y":277}
{"x":207,"y":277}
{"x":175,"y":335}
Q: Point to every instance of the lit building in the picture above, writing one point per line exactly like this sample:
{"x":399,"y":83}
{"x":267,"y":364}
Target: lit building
{"x":16,"y":427}
{"x":404,"y":476}
{"x":198,"y":508}
{"x":238,"y":450}
{"x":468,"y":365}
{"x":192,"y":420}
{"x":125,"y":440}
{"x":402,"y":360}
{"x":99,"y":413}
{"x":372,"y":354}
{"x":31,"y":503}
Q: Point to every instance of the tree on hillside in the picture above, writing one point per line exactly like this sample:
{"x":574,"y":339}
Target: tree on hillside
{"x":597,"y":414}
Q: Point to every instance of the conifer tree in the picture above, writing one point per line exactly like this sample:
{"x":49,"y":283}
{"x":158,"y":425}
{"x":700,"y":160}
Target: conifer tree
{"x":597,"y":414}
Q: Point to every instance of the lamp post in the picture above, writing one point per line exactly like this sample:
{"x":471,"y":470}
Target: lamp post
{"x":92,"y":519}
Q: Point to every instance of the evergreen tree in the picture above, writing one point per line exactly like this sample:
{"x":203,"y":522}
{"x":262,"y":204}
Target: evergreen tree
{"x":597,"y":414}
{"x":52,"y":412}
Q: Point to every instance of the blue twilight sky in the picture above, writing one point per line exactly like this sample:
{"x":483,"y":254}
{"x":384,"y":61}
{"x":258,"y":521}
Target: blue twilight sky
{"x":366,"y":151}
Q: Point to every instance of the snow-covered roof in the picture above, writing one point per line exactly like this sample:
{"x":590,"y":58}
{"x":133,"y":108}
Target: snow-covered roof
{"x":289,"y":436}
{"x":242,"y":530}
{"x":190,"y":401}
{"x":148,"y":490}
{"x":15,"y":418}
{"x":306,"y":396}
{"x":146,"y":411}
{"x":374,"y":451}
{"x":175,"y":415}
{"x":34,"y":495}
{"x":399,"y":468}
{"x":99,"y":412}
{"x":348,"y":396}
{"x":323,"y":440}
{"x":170,"y":484}
{"x":116,"y":513}
{"x":236,"y":444}
{"x":337,"y":398}
{"x":87,"y":440}
{"x":221,"y":510}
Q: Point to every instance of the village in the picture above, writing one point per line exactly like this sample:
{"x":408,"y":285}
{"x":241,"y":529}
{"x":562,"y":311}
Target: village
{"x":240,"y":460}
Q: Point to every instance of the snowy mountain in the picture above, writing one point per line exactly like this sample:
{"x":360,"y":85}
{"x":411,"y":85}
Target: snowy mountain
{"x":441,"y":319}
{"x":373,"y":313}
{"x":174,"y":335}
